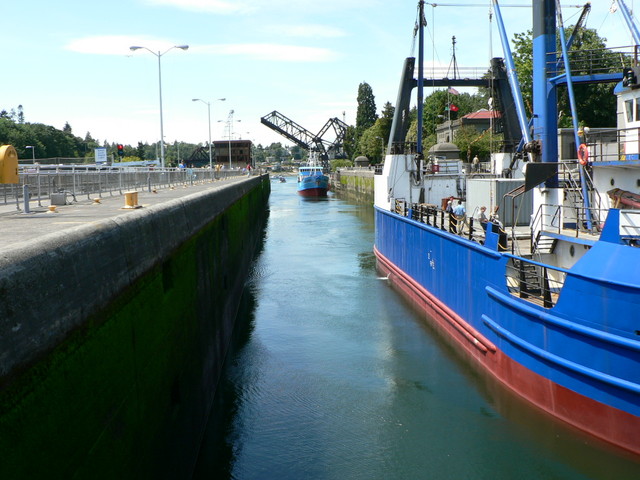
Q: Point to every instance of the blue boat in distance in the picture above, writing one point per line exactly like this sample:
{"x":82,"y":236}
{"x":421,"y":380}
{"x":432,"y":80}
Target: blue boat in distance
{"x":312,"y":182}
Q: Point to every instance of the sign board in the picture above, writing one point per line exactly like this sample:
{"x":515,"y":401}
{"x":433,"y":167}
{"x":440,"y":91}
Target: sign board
{"x":101,"y":156}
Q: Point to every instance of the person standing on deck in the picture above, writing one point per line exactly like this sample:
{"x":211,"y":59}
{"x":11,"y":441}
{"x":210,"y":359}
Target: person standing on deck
{"x":460,"y":212}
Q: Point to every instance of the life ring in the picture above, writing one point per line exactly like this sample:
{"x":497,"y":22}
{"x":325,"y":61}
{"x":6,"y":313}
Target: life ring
{"x":583,"y":154}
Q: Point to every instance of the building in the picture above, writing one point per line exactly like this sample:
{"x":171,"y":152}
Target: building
{"x":480,"y":120}
{"x":240,"y":151}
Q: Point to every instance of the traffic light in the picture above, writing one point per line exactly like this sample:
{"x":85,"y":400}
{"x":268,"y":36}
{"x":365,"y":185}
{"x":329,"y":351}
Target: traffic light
{"x":120,"y":150}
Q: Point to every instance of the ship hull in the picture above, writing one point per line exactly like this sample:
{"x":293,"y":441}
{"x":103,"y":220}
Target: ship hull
{"x":563,"y":368}
{"x":313,"y":186}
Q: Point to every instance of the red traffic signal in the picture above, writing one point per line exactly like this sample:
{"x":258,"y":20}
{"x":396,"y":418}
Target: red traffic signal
{"x":121,"y":150}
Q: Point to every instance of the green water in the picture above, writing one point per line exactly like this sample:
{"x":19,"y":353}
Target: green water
{"x":336,"y":377}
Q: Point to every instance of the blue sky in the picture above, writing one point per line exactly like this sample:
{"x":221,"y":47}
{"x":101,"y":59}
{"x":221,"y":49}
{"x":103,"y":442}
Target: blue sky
{"x":70,"y":62}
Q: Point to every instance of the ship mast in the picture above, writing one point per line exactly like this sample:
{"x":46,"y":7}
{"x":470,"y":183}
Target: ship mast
{"x":421,"y":24}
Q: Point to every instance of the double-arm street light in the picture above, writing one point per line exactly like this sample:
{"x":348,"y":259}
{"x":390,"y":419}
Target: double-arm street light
{"x":209,"y":114}
{"x":158,"y":54}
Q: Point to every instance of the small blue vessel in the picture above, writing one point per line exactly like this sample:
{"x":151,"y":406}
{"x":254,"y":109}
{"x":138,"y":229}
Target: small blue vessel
{"x":312,"y":182}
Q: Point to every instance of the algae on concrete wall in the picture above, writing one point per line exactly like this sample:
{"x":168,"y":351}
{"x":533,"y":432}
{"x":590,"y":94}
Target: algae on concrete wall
{"x":128,"y":393}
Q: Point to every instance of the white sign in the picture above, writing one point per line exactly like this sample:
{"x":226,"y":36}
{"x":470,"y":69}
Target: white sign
{"x":101,"y":155}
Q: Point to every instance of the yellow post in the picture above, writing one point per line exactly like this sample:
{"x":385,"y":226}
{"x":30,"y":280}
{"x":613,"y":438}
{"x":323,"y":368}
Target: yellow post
{"x":8,"y":164}
{"x":131,"y":200}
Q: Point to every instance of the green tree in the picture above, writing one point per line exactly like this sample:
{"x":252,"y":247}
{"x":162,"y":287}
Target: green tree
{"x":595,"y":103}
{"x":350,"y":142}
{"x":372,"y":142}
{"x":340,"y":163}
{"x":472,"y":143}
{"x":366,"y":112}
{"x":140,"y":151}
{"x":436,"y":111}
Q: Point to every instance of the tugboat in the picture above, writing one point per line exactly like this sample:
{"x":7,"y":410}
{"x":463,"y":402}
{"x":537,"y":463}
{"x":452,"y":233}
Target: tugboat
{"x":550,"y":310}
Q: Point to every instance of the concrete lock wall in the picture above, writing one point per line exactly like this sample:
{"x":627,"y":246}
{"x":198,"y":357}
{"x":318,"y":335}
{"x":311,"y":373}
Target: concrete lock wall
{"x":357,"y":182}
{"x":113,"y":337}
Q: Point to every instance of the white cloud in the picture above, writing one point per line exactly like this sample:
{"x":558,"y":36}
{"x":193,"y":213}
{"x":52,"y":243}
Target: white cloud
{"x":209,"y":6}
{"x":315,"y":6}
{"x":305,"y":31}
{"x":119,"y":45}
{"x":272,"y":52}
{"x":115,"y":44}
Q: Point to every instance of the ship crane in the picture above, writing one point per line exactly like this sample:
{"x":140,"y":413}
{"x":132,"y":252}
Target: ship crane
{"x":302,"y":137}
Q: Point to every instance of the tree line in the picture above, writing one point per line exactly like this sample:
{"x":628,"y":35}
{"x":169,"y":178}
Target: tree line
{"x":59,"y":146}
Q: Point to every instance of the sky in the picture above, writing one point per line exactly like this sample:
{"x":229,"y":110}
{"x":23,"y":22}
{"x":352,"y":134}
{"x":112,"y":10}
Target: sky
{"x":70,"y":62}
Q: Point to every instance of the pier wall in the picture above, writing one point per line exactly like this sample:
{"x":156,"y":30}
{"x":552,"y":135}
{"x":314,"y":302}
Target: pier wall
{"x":357,"y":182}
{"x":113,"y":336}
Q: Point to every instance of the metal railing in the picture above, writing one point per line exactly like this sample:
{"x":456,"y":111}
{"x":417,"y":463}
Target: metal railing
{"x":535,"y":282}
{"x":39,"y":182}
{"x":434,"y":216}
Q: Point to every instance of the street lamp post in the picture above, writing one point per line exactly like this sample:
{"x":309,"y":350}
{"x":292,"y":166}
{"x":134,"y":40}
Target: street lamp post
{"x":159,"y":55}
{"x":229,"y":127}
{"x":209,"y":115}
{"x":33,"y":152}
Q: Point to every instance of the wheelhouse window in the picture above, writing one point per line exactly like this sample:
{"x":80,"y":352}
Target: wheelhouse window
{"x":628,"y":106}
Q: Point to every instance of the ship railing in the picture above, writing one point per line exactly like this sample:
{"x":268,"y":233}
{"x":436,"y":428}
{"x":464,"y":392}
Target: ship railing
{"x":567,"y":220}
{"x":614,"y":145}
{"x":434,"y":216}
{"x":533,"y":281}
{"x":39,"y":182}
{"x":400,"y":207}
{"x":630,"y":227}
{"x":597,"y":61}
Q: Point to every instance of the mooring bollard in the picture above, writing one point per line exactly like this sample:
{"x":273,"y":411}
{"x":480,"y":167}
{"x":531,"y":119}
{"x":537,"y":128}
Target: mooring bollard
{"x":25,"y":198}
{"x":131,"y":200}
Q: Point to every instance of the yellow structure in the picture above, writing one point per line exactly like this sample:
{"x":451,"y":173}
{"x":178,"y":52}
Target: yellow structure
{"x":131,"y":200}
{"x":8,"y":164}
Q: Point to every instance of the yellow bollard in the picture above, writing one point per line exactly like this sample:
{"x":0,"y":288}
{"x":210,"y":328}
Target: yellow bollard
{"x":131,"y":200}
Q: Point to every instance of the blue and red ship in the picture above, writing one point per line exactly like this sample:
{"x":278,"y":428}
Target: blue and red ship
{"x":312,"y":182}
{"x":549,"y":306}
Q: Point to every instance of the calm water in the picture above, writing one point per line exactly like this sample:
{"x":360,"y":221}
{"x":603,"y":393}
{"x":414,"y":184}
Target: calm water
{"x":335,"y":377}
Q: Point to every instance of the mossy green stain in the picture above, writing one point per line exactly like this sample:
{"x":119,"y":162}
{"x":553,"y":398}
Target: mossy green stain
{"x":100,"y":404}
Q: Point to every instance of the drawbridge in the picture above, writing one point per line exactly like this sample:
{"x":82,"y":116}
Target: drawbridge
{"x":311,"y":142}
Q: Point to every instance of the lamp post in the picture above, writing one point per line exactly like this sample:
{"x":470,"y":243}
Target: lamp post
{"x":159,"y":55}
{"x":33,"y":152}
{"x":209,"y":116}
{"x":229,"y":127}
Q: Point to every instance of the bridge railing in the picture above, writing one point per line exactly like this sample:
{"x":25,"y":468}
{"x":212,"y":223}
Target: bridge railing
{"x":461,"y":73}
{"x":39,"y":182}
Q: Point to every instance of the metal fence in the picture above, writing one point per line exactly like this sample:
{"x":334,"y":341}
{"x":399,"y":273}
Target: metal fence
{"x":38,"y":183}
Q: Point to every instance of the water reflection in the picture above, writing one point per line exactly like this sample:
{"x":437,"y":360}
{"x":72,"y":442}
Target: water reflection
{"x":334,"y":376}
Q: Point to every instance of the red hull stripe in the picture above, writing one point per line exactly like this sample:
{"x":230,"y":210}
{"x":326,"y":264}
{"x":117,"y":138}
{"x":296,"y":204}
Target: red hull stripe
{"x":313,"y":192}
{"x":597,"y":419}
{"x":443,"y":311}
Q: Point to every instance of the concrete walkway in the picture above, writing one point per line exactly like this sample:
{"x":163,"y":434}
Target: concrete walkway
{"x":17,"y":227}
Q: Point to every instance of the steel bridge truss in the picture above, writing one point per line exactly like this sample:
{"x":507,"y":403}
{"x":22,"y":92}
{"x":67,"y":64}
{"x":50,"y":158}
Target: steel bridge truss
{"x":307,"y":140}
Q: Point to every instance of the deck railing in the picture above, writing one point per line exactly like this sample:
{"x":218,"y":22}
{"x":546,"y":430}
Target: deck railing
{"x":533,"y":281}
